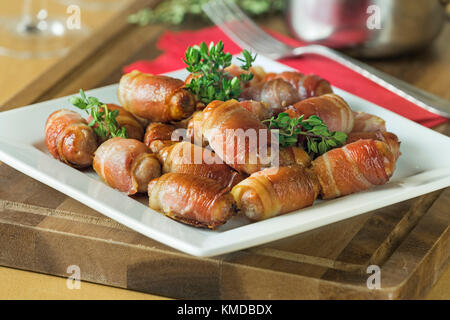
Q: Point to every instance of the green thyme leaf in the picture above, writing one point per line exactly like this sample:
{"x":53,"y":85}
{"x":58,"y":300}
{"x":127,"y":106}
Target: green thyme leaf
{"x":210,"y":81}
{"x":177,"y":11}
{"x":318,"y":138}
{"x":103,"y":120}
{"x":323,"y":147}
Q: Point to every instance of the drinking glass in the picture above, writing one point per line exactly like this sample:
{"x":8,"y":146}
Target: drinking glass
{"x":37,"y":33}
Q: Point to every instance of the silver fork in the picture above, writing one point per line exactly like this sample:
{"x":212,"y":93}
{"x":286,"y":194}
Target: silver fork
{"x":241,"y":29}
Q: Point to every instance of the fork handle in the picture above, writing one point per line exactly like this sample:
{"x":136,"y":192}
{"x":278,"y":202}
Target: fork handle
{"x":415,"y":95}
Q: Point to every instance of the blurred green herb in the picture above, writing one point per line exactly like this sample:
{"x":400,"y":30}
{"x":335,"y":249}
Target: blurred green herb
{"x":317,"y":137}
{"x":209,"y":79}
{"x":176,"y":11}
{"x":103,"y":120}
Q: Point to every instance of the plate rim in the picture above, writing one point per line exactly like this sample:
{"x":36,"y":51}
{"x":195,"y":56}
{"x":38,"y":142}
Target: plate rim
{"x":206,"y":248}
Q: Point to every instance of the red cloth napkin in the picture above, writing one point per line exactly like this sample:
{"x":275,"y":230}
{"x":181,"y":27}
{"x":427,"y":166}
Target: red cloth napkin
{"x":174,"y":44}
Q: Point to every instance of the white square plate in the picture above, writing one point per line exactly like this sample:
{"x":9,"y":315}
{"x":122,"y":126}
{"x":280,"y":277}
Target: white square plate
{"x":424,"y":166}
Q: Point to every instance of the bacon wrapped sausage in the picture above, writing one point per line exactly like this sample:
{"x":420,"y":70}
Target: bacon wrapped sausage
{"x":275,"y":191}
{"x":185,"y":157}
{"x":134,"y":128}
{"x":258,"y":73}
{"x":331,"y":108}
{"x":158,"y":145}
{"x":126,"y":165}
{"x":158,"y":131}
{"x":155,"y":97}
{"x":194,"y":129}
{"x":260,"y":109}
{"x":159,"y":135}
{"x":354,"y":167}
{"x":366,"y":122}
{"x":69,"y":138}
{"x":294,"y":155}
{"x":191,"y":199}
{"x":388,"y":137}
{"x":307,"y":86}
{"x":280,"y":90}
{"x":237,"y":136}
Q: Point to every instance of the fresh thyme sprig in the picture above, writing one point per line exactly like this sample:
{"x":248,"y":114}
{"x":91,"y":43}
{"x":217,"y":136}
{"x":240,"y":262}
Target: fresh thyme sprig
{"x":209,"y":80}
{"x":316,"y":136}
{"x":103,"y":120}
{"x":177,"y":11}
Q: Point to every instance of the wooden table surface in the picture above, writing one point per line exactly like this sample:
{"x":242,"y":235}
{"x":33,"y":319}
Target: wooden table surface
{"x":115,"y":44}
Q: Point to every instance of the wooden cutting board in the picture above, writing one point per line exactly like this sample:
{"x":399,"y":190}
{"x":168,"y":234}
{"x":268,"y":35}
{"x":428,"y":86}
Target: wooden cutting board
{"x":45,"y":231}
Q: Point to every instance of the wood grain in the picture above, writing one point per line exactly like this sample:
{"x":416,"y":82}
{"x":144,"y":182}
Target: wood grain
{"x":17,"y":284}
{"x":47,"y":232}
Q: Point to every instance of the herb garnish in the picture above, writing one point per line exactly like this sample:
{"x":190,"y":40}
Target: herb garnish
{"x":177,"y":11}
{"x":103,"y":120}
{"x":209,"y":80}
{"x":316,"y":135}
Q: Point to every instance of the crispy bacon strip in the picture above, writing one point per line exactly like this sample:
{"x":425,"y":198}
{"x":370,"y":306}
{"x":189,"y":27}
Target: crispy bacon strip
{"x":159,"y":135}
{"x":276,"y":93}
{"x":158,"y":131}
{"x":158,"y":145}
{"x":388,"y":137}
{"x":294,"y":155}
{"x":257,"y":71}
{"x":307,"y":86}
{"x":69,"y":138}
{"x":280,"y":90}
{"x":191,"y":199}
{"x":194,"y":129}
{"x":237,"y":136}
{"x":354,"y":167}
{"x":275,"y":191}
{"x":126,"y":165}
{"x":185,"y":157}
{"x":260,"y":109}
{"x":155,"y":97}
{"x":366,"y":122}
{"x":331,"y":108}
{"x":134,"y":128}
{"x":287,"y":156}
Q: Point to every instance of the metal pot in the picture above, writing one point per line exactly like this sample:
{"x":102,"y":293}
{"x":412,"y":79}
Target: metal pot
{"x":368,"y":28}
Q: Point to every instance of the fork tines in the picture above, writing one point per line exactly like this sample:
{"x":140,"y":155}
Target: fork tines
{"x":242,"y":30}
